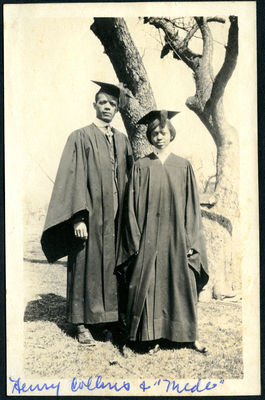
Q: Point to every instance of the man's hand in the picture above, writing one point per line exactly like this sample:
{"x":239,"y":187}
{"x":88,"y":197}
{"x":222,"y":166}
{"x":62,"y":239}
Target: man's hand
{"x":81,"y":230}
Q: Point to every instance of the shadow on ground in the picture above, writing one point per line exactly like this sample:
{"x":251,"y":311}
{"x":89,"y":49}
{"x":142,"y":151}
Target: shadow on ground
{"x":51,"y":308}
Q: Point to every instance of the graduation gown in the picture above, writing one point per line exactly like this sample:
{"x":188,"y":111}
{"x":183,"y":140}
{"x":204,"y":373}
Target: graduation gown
{"x":84,"y":184}
{"x":163,"y":222}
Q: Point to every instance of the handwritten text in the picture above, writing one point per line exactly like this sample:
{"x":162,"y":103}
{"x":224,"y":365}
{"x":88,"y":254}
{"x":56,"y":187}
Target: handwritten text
{"x":22,"y":388}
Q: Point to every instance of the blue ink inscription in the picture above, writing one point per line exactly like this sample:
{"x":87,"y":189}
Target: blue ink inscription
{"x":143,"y":387}
{"x":192,"y":389}
{"x":23,"y":389}
{"x":75,"y":386}
{"x":19,"y":387}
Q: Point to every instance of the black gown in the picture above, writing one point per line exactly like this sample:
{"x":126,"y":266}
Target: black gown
{"x":84,"y":184}
{"x":163,"y":222}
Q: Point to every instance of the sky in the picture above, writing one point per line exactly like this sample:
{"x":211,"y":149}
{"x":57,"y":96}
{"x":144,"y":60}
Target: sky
{"x":50,"y":81}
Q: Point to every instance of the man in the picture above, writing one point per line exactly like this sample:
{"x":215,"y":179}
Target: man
{"x":84,"y":215}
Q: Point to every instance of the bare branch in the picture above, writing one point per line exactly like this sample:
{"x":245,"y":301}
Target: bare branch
{"x":230,"y":61}
{"x":192,"y":30}
{"x":183,"y":27}
{"x":190,"y":34}
{"x":199,"y":167}
{"x":207,"y":38}
{"x":174,"y":42}
{"x":188,"y":27}
{"x":216,"y":19}
{"x":163,"y":23}
{"x":208,"y":182}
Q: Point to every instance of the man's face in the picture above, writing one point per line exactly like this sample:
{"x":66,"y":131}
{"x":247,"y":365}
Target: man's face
{"x":106,"y":107}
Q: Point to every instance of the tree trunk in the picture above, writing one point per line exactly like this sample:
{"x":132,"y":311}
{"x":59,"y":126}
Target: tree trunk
{"x":127,"y":63}
{"x":226,"y":138}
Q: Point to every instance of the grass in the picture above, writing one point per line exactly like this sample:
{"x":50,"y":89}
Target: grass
{"x":51,"y":348}
{"x":52,"y":351}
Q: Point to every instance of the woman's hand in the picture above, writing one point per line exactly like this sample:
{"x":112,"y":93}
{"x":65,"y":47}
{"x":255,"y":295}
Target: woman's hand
{"x":80,"y":230}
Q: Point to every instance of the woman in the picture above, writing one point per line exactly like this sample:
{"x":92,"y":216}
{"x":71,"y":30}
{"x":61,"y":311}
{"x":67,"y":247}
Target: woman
{"x":164,"y":234}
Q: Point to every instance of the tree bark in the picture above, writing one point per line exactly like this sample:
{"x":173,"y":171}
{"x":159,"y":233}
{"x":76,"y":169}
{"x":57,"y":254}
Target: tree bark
{"x":128,"y":65}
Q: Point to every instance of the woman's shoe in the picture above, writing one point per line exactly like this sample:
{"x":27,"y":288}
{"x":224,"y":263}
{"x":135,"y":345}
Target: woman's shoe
{"x":199,"y":347}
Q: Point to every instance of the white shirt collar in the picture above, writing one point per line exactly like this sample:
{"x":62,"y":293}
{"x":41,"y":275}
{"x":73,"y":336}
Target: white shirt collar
{"x":101,"y":124}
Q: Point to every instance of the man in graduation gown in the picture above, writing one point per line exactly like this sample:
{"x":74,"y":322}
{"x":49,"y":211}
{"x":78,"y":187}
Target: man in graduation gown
{"x":84,"y":215}
{"x":164,"y":237}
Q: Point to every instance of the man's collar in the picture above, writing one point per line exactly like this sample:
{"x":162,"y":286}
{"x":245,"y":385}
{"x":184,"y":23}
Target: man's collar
{"x":101,"y":124}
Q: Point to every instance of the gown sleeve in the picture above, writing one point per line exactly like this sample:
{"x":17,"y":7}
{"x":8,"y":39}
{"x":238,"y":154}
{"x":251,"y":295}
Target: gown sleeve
{"x":69,"y":197}
{"x":131,"y":233}
{"x":194,"y":230}
{"x":130,"y":158}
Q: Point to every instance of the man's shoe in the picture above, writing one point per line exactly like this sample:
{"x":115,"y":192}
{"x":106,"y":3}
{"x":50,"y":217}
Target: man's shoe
{"x":107,"y":336}
{"x":85,"y":337}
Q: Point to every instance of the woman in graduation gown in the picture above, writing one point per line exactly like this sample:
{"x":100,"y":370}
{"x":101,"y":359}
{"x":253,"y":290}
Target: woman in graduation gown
{"x":164,"y":235}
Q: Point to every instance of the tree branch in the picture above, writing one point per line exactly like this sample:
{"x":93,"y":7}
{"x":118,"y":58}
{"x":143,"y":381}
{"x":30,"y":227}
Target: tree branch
{"x":193,"y":30}
{"x":230,"y":61}
{"x":216,"y":19}
{"x":190,"y":34}
{"x":187,"y":28}
{"x":207,"y":39}
{"x":174,"y":42}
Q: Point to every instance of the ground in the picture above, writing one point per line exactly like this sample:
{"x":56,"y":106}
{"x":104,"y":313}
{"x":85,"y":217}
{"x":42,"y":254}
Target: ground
{"x":52,"y":351}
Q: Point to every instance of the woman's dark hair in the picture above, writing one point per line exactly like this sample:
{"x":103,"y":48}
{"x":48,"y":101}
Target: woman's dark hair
{"x":171,"y":128}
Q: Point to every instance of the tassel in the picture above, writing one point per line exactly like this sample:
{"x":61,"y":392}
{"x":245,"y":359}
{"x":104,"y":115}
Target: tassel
{"x":163,"y":118}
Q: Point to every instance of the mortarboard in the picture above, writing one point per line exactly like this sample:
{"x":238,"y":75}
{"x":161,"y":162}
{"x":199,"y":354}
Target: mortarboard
{"x":160,"y":115}
{"x":120,"y":91}
{"x":108,"y":88}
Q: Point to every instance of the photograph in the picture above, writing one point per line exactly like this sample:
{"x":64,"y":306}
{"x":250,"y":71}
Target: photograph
{"x":131,"y":199}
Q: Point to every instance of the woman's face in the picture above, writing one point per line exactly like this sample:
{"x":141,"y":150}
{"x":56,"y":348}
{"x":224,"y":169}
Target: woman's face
{"x":160,"y":137}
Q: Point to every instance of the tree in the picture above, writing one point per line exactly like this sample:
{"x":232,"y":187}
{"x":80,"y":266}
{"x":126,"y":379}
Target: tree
{"x":221,"y":220}
{"x":127,"y":63}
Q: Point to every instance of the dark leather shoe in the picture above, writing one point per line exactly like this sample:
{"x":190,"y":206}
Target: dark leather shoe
{"x":85,"y":337}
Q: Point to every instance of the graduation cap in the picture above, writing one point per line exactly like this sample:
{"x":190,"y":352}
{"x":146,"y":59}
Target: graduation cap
{"x":157,"y":115}
{"x":120,"y":91}
{"x":108,"y":88}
